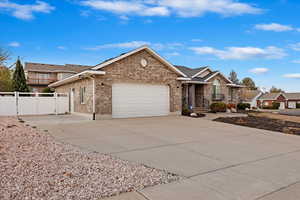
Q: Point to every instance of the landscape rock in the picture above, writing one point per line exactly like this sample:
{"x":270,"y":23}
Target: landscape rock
{"x":35,"y":166}
{"x":193,"y":114}
{"x":233,"y":110}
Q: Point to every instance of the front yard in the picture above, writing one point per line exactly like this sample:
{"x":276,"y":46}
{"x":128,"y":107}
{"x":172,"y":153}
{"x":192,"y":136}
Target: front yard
{"x":267,"y":121}
{"x":34,"y":166}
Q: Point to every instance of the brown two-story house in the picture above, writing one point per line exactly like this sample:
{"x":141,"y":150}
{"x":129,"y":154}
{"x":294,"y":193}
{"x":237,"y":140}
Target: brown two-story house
{"x":39,"y":75}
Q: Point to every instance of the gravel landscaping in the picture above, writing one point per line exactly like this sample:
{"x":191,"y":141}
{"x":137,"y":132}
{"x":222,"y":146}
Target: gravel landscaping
{"x":265,"y":123}
{"x":35,"y":166}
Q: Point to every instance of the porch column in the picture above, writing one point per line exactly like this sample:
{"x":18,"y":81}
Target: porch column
{"x":186,"y":94}
{"x":192,"y":95}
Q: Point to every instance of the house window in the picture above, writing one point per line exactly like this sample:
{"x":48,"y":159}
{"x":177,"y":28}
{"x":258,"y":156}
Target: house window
{"x":216,"y":87}
{"x":61,"y":76}
{"x":43,"y":76}
{"x":82,"y":95}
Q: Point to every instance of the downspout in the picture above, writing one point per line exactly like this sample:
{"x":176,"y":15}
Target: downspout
{"x":94,"y":97}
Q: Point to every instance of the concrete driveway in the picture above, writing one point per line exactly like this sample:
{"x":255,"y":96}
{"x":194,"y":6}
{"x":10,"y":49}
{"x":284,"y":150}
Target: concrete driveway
{"x":217,"y":161}
{"x":291,"y":112}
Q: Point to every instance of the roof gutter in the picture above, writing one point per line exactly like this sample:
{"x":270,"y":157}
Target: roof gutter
{"x":235,"y":85}
{"x":183,"y":79}
{"x":75,"y":77}
{"x":196,"y":82}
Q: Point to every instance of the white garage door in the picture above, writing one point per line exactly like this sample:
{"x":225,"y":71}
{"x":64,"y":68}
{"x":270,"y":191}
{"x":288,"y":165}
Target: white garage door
{"x":140,"y":100}
{"x":292,"y":104}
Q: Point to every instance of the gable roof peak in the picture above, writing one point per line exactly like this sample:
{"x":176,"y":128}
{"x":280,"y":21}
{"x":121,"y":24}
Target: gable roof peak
{"x":144,"y":47}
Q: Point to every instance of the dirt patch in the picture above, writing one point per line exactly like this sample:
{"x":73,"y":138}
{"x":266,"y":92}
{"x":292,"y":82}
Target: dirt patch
{"x":276,"y":116}
{"x":265,"y":123}
{"x":35,"y":166}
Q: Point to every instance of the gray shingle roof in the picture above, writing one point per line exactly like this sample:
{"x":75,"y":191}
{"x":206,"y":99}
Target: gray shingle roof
{"x":55,"y":68}
{"x":292,"y":95}
{"x":189,"y":71}
{"x":269,"y":96}
{"x":273,"y":96}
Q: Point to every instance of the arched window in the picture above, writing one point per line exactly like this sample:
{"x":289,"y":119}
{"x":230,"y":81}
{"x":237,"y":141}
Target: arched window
{"x":216,"y":87}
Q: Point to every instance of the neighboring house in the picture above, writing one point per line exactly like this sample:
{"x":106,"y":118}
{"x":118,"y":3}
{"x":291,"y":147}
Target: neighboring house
{"x":39,"y":76}
{"x":251,"y":96}
{"x":286,"y":100}
{"x":203,"y":86}
{"x":141,"y":83}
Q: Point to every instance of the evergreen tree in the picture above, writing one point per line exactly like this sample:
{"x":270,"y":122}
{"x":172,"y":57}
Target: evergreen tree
{"x":19,"y":80}
{"x":233,"y":77}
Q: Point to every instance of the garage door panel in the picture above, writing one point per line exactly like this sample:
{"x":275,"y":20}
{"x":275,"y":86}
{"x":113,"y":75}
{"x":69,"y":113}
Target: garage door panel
{"x":140,"y":100}
{"x":292,"y":104}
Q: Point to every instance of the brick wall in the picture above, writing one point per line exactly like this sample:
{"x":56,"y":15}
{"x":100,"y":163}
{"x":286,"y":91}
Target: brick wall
{"x":127,"y":70}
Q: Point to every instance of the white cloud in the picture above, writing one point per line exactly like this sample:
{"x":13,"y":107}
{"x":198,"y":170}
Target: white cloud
{"x":274,"y":27}
{"x":296,"y":75}
{"x":259,"y":70}
{"x":173,"y":54}
{"x":124,"y":45}
{"x":62,"y":47}
{"x":196,"y":40}
{"x":296,"y":61}
{"x":14,"y":44}
{"x":25,"y":11}
{"x":242,"y":53}
{"x":135,"y":44}
{"x":148,"y":21}
{"x":127,"y":8}
{"x":194,"y":8}
{"x":182,"y":8}
{"x":295,"y":46}
{"x":85,"y":13}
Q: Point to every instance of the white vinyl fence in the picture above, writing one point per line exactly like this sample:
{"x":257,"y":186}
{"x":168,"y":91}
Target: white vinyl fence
{"x":19,"y":103}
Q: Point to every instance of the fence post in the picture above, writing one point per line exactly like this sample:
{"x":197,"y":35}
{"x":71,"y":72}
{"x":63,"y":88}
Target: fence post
{"x":55,"y":100}
{"x":17,"y":103}
{"x":37,"y":100}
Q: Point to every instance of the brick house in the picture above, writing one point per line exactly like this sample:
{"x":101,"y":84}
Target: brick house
{"x":39,"y":76}
{"x":203,"y":86}
{"x":286,"y":100}
{"x":141,"y":83}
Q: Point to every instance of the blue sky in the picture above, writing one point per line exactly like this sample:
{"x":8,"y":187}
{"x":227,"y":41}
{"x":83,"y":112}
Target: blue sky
{"x":257,"y":39}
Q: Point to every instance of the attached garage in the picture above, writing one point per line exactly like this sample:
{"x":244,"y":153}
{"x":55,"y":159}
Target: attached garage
{"x":140,"y":100}
{"x":139,"y":83}
{"x":292,"y":104}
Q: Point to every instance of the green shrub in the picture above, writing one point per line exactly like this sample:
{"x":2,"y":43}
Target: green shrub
{"x":275,"y":105}
{"x":243,"y":106}
{"x":218,"y":107}
{"x":298,"y":105}
{"x":47,"y":90}
{"x":268,"y":107}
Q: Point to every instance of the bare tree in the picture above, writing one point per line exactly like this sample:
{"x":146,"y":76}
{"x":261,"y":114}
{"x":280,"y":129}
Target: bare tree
{"x":4,"y":56}
{"x":276,"y":90}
